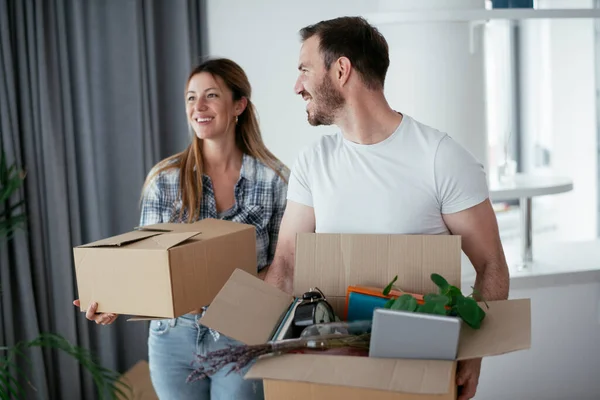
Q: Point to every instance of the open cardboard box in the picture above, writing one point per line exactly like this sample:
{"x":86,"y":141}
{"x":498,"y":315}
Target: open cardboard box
{"x":248,"y":309}
{"x":163,"y":270}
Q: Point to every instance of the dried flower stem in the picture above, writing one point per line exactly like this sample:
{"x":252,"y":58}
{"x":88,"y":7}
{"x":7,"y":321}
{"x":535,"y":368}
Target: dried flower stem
{"x":242,"y":356}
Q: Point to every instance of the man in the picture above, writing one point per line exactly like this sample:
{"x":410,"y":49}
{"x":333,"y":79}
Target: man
{"x":384,"y":172}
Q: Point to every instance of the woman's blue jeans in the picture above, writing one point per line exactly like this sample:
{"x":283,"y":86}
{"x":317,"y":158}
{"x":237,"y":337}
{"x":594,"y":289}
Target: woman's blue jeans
{"x":172,"y":346}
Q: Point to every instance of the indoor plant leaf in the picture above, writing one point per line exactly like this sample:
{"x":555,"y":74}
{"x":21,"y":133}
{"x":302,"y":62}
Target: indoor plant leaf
{"x":440,"y":282}
{"x":406,"y":302}
{"x":388,"y":304}
{"x":437,"y":298}
{"x":388,"y":288}
{"x":9,"y":386}
{"x":454,"y":293}
{"x":470,"y":312}
{"x":432,"y":308}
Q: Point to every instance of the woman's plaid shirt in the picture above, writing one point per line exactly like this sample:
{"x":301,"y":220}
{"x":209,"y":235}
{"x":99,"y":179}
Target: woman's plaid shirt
{"x":260,"y":199}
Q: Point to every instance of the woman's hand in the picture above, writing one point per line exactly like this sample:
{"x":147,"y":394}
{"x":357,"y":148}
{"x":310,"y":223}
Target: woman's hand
{"x":99,"y":318}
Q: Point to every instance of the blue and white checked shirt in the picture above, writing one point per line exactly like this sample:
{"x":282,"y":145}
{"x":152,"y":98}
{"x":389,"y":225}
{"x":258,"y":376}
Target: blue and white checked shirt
{"x":260,"y":199}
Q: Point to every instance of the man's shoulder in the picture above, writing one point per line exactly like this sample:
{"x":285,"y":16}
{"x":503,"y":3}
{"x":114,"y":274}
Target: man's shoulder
{"x":438,"y":141}
{"x":324,"y":145}
{"x":424,"y":132}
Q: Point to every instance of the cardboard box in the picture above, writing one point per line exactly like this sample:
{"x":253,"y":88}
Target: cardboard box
{"x":163,"y":270}
{"x":248,"y":309}
{"x":138,"y":380}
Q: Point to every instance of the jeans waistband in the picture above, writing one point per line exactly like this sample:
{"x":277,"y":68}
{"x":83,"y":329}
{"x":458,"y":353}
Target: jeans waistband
{"x":189,"y":319}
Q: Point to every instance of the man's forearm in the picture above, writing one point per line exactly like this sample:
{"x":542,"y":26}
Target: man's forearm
{"x":493,"y":282}
{"x":281,"y":274}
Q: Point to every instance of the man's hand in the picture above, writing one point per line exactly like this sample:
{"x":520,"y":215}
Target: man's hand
{"x":467,"y":378}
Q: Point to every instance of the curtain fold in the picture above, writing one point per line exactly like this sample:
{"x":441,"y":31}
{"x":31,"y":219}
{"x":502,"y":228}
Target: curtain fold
{"x":91,"y":96}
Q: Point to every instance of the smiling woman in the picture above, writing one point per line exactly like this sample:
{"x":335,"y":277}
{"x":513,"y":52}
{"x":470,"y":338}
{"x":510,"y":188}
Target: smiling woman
{"x":226,"y":172}
{"x":211,"y":108}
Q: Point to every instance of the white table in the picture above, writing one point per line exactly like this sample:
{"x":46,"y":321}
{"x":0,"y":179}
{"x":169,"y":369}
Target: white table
{"x":524,"y":187}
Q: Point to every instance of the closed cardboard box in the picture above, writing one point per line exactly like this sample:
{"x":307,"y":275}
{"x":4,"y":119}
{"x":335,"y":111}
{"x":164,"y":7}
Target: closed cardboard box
{"x":332,"y":262}
{"x":163,"y":270}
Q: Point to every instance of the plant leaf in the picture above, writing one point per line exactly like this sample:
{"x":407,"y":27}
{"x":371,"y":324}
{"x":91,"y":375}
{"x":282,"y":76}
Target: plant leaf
{"x":388,"y":288}
{"x":11,"y":185}
{"x":454,"y":293}
{"x":432,"y":308}
{"x":437,"y":298}
{"x":11,"y":224}
{"x":440,"y":282}
{"x":406,"y":302}
{"x":388,"y":304}
{"x":470,"y":312}
{"x":8,"y":384}
{"x":107,"y":381}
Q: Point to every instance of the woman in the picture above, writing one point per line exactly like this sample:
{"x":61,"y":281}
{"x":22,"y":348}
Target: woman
{"x":228,"y":173}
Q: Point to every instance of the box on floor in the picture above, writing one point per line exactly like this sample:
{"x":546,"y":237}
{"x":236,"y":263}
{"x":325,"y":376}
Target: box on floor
{"x":248,"y":310}
{"x":138,"y":380}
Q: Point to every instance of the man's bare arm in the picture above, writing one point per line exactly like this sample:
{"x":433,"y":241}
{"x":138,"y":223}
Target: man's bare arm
{"x":297,"y":218}
{"x":481,"y":243}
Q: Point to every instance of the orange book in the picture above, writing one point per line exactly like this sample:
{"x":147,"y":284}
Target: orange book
{"x":361,"y":300}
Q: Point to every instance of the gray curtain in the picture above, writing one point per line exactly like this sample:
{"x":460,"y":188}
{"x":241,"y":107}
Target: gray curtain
{"x":91,"y":96}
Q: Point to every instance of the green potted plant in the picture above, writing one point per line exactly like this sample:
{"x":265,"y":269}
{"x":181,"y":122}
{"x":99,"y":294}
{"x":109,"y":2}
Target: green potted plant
{"x":12,"y":218}
{"x":450,"y":301}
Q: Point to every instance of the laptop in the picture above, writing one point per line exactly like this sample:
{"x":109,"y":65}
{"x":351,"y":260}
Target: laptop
{"x":402,"y":334}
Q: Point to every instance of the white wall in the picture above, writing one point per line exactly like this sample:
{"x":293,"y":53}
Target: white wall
{"x":432,"y":75}
{"x":262,"y":36}
{"x":560,"y":111}
{"x":564,"y":359}
{"x":574,"y":126}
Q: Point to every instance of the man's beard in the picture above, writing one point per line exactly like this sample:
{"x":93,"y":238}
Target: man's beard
{"x":326,"y":101}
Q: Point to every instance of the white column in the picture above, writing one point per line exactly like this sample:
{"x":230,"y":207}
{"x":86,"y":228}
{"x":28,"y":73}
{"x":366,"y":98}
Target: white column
{"x":434,"y":77}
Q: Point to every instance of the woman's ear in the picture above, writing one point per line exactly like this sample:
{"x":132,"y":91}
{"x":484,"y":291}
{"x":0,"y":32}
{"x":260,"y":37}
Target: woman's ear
{"x":241,"y":105}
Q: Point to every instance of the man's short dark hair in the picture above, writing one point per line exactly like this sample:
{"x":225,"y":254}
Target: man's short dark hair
{"x":356,"y":39}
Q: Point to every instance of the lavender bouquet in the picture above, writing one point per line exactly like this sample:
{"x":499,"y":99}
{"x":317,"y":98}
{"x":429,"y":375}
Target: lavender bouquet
{"x":242,"y":356}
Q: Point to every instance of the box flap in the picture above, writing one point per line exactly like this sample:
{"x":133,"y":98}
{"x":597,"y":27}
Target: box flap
{"x":409,"y":376}
{"x":332,"y":262}
{"x":168,"y":240}
{"x":169,"y":227}
{"x":208,"y":227}
{"x":143,"y":318}
{"x":506,"y":328}
{"x":252,"y":307}
{"x":163,"y":241}
{"x":121,"y":240}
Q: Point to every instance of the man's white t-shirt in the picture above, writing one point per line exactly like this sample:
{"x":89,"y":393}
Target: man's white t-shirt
{"x":400,"y":185}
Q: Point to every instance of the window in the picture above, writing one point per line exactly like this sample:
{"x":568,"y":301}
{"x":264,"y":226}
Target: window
{"x":542,"y":115}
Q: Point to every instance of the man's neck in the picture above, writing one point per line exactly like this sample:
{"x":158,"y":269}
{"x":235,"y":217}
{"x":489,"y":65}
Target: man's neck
{"x":369,"y":120}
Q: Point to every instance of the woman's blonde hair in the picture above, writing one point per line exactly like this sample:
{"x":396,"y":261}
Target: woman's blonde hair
{"x":247,"y":137}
